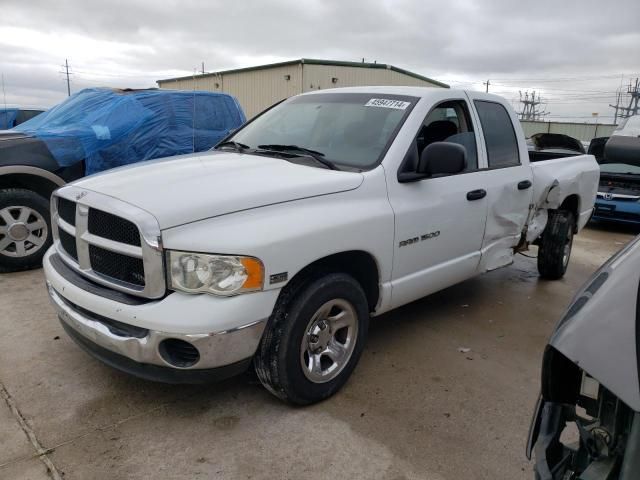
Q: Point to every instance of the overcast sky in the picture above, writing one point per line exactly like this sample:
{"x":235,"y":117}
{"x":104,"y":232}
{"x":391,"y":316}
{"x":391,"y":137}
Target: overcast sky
{"x":575,"y":53}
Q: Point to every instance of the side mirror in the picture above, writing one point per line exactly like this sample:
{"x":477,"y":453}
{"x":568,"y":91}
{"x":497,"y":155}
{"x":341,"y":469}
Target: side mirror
{"x":442,"y":158}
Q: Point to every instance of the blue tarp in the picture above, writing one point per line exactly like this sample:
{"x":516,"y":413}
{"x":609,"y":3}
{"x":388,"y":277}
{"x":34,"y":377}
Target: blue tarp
{"x":108,"y":128}
{"x":8,"y":118}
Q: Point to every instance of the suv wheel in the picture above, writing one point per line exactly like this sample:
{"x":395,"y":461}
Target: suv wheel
{"x":25,"y":229}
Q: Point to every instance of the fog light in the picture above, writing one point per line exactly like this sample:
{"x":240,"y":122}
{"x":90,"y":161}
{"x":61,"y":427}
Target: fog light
{"x":178,"y":353}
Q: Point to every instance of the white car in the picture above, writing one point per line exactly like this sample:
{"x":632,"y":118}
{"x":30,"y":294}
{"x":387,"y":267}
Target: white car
{"x":275,"y":248}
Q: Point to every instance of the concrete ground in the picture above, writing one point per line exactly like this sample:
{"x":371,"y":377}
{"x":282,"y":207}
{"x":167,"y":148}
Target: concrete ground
{"x":415,"y":408}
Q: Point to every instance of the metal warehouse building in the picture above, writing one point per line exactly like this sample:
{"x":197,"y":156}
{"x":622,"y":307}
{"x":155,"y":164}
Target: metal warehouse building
{"x":260,"y":87}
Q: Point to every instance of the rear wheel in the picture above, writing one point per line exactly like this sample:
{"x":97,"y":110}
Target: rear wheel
{"x":25,"y":229}
{"x":555,"y":245}
{"x":314,"y":338}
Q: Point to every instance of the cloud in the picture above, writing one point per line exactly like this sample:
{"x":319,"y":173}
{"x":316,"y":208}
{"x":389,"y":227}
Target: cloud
{"x":133,"y":43}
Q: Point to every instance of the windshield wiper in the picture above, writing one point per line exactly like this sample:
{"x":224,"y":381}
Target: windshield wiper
{"x":240,"y":147}
{"x":307,"y":152}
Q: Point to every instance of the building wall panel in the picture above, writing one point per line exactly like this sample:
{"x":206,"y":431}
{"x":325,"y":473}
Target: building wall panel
{"x":260,"y":88}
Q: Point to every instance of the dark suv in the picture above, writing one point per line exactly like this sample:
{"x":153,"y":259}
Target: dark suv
{"x":92,"y":131}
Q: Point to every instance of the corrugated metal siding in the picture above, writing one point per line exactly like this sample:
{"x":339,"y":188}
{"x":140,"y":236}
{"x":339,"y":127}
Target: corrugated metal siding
{"x":582,"y":131}
{"x":255,"y":90}
{"x":259,"y":89}
{"x":319,"y":77}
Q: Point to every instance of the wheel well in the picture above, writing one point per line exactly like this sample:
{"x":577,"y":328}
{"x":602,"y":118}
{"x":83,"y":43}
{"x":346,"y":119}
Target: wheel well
{"x":572,"y":204}
{"x":359,"y":264}
{"x":560,"y":377}
{"x":36,"y":184}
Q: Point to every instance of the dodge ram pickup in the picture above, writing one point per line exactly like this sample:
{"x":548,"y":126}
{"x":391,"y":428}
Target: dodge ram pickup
{"x":274,"y":249}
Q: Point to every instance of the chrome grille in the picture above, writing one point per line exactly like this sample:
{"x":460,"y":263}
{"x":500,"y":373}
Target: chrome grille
{"x":115,"y":265}
{"x":67,"y":210}
{"x":114,"y":228}
{"x":109,"y":241}
{"x":68,"y":242}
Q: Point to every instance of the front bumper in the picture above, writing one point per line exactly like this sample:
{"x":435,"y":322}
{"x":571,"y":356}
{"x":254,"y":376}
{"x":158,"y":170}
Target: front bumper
{"x":225,"y":331}
{"x":154,"y":372}
{"x":617,"y":211}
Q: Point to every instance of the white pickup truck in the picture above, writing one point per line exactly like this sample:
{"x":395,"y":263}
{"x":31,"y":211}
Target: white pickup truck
{"x":275,"y":248}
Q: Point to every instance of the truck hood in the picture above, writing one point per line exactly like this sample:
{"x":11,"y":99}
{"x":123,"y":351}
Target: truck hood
{"x":600,"y":330}
{"x":189,"y":188}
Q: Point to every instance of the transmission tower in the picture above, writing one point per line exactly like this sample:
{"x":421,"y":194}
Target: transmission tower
{"x":634,"y":97}
{"x":530,"y":110}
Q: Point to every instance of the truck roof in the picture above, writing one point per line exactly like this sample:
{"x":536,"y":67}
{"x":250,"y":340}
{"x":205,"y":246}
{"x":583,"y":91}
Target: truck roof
{"x":420,"y":92}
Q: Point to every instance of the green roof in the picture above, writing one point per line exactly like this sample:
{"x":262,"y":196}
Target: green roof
{"x":312,"y":61}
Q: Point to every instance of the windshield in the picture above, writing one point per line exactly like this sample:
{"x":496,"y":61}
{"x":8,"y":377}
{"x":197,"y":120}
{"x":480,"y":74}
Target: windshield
{"x":347,"y":129}
{"x":620,"y":168}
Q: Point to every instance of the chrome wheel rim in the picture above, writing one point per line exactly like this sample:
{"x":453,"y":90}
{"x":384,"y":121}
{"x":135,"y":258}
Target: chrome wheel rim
{"x":23,"y":231}
{"x":329,"y":341}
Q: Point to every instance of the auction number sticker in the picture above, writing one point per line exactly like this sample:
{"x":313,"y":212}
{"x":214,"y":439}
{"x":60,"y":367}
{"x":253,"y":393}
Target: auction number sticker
{"x":386,"y":103}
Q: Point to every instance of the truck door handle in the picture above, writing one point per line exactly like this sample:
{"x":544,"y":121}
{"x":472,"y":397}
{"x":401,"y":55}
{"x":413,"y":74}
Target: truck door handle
{"x":524,"y":184}
{"x":476,"y":194}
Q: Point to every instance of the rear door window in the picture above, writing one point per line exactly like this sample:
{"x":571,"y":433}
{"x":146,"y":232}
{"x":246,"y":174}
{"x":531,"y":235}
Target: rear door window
{"x":499,"y":135}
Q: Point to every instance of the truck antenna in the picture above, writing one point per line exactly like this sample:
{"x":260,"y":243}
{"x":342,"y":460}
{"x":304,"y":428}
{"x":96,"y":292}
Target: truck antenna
{"x":4,"y":94}
{"x":193,"y":118}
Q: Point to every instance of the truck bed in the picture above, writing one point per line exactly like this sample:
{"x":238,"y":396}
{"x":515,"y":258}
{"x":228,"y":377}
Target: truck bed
{"x":558,"y":178}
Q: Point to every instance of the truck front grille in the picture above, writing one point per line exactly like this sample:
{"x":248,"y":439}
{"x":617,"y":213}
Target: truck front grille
{"x":68,"y":243}
{"x":116,"y":265}
{"x":112,"y":227}
{"x":67,"y":211}
{"x":107,"y":247}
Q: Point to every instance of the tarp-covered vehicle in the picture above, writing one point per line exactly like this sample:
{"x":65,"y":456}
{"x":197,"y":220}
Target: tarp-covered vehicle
{"x":92,"y":131}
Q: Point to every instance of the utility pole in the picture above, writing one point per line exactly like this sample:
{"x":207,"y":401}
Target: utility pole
{"x":202,"y":68}
{"x":487,"y":83}
{"x":66,"y":72}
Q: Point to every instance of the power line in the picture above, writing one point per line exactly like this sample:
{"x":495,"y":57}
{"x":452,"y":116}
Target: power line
{"x":584,"y":78}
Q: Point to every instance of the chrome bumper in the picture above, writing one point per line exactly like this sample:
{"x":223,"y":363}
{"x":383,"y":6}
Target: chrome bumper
{"x":217,"y":349}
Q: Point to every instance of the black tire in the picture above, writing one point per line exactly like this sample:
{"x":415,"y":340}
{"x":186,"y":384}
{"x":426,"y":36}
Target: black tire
{"x":10,"y":261}
{"x":278,"y":361}
{"x":554,"y":251}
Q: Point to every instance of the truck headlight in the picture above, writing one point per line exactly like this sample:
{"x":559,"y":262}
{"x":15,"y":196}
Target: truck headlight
{"x":218,"y":274}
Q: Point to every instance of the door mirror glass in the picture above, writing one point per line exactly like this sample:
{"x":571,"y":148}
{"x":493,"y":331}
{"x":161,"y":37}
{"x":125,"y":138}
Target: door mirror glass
{"x":442,"y":158}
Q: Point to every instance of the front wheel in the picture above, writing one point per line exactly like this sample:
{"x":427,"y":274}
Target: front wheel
{"x":555,"y":245}
{"x":25,"y":229}
{"x":314,"y":338}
